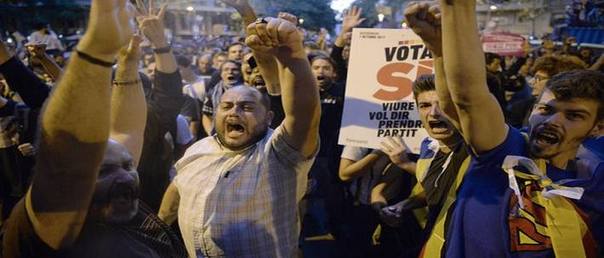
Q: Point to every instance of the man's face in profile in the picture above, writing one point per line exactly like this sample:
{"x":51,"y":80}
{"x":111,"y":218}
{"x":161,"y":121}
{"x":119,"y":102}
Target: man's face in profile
{"x":538,"y":82}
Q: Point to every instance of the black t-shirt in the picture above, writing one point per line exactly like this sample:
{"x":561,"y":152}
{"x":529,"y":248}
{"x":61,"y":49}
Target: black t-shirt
{"x":95,"y":240}
{"x":437,"y":182}
{"x":191,"y":109}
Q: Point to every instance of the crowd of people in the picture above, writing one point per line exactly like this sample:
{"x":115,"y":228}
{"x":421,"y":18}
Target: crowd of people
{"x":585,"y":13}
{"x":129,"y":145}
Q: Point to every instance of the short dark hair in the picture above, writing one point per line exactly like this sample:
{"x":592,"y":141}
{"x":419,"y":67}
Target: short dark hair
{"x":583,"y":84}
{"x":422,"y":84}
{"x":320,"y":56}
{"x":553,"y":65}
{"x":232,"y":62}
{"x":490,"y":57}
{"x":235,"y":44}
{"x":183,"y":61}
{"x":265,"y":99}
{"x":224,"y":54}
{"x":41,"y":25}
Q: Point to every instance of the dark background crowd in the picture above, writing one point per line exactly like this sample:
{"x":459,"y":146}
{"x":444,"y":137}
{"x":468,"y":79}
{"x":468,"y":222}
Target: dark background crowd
{"x":342,"y":215}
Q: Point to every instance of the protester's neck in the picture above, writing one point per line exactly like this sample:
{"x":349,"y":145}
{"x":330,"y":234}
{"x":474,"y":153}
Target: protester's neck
{"x":449,"y":144}
{"x":561,"y":160}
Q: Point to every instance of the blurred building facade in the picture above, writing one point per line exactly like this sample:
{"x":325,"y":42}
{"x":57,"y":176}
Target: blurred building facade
{"x":526,"y":17}
{"x":194,"y":18}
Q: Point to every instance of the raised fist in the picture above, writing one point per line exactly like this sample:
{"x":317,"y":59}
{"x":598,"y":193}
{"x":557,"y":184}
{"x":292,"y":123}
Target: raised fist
{"x":424,"y":19}
{"x":277,"y":37}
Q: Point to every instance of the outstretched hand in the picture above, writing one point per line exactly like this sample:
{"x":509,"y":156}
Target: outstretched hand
{"x":425,"y":20}
{"x":109,"y":28}
{"x":151,"y":23}
{"x":352,"y":18}
{"x":396,"y":149}
{"x":276,"y":37}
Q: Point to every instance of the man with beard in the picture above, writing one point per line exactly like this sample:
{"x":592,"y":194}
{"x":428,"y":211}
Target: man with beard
{"x":82,"y":201}
{"x":230,"y":74}
{"x":237,"y":192}
{"x":523,"y":195}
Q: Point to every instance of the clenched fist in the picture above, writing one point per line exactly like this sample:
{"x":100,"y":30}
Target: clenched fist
{"x":277,"y":37}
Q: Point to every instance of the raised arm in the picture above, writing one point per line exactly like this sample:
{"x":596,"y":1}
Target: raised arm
{"x":266,"y":63}
{"x":481,"y":118}
{"x":128,"y":107}
{"x":151,"y":24}
{"x":39,"y":53}
{"x":350,"y":19}
{"x":424,"y":19}
{"x":299,"y":91}
{"x":166,"y":97}
{"x":22,"y":80}
{"x":75,"y":128}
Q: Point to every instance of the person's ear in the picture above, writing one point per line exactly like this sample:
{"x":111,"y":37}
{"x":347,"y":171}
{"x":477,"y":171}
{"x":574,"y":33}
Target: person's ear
{"x":269,"y":117}
{"x":598,"y":129}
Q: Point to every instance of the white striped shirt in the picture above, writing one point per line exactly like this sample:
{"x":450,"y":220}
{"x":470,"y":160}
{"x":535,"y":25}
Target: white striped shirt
{"x":244,"y":203}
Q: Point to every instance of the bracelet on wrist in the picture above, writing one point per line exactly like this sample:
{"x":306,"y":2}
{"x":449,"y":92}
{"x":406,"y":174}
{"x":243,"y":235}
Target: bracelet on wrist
{"x":162,"y":50}
{"x":126,"y":83}
{"x":93,"y":60}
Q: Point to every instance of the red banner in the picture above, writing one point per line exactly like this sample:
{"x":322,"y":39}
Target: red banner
{"x":503,"y":43}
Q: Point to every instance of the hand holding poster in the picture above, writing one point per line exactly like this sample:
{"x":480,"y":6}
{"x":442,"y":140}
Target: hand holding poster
{"x":379,"y":99}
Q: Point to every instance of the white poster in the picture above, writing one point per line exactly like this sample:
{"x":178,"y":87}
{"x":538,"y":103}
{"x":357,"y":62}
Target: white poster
{"x":379,"y":99}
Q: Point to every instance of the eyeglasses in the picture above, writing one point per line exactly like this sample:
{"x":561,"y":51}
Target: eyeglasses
{"x":539,"y":78}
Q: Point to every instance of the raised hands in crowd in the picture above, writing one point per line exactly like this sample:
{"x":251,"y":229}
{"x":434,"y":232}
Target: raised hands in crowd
{"x":107,"y":180}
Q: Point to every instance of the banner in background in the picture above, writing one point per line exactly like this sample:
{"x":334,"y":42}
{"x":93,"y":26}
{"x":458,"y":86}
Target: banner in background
{"x":379,"y":99}
{"x":503,"y":43}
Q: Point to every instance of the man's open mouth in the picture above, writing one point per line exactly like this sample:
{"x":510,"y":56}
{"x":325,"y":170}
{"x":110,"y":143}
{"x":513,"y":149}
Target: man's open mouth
{"x":438,"y":126}
{"x":547,"y":137}
{"x":259,"y":81}
{"x":234,"y":129}
{"x":123,"y":195}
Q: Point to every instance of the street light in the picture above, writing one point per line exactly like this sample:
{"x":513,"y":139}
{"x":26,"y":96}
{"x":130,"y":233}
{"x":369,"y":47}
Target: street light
{"x":301,"y":21}
{"x":381,"y":17}
{"x":190,"y":8}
